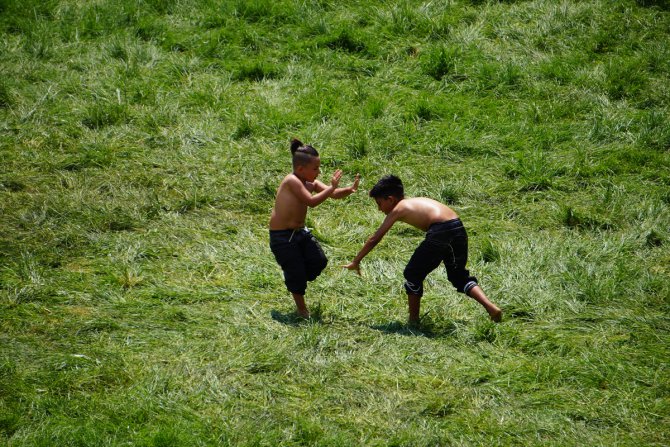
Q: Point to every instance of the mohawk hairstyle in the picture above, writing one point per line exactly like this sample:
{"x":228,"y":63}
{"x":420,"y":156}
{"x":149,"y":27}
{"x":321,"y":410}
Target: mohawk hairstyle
{"x":302,"y":153}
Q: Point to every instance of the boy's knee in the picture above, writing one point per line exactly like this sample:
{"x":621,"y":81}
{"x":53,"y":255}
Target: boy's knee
{"x":461,"y":279}
{"x":469,"y":286}
{"x":295,"y":283}
{"x":412,"y":285}
{"x":413,"y":289}
{"x":296,"y":286}
{"x":465,"y":285}
{"x":316,"y":268}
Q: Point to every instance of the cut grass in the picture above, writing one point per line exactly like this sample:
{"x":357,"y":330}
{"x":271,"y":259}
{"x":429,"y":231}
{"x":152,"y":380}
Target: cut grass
{"x":142,"y":144}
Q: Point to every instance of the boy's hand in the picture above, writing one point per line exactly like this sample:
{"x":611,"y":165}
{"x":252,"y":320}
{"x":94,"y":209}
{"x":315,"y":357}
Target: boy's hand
{"x":353,"y":266}
{"x":357,"y":179}
{"x":335,"y":180}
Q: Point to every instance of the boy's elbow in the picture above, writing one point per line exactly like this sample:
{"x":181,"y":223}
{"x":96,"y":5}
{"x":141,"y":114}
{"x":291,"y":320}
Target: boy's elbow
{"x":373,"y":241}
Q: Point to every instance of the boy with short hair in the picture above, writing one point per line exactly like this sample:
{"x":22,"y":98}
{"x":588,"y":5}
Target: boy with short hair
{"x":446,"y":241}
{"x":296,"y":250}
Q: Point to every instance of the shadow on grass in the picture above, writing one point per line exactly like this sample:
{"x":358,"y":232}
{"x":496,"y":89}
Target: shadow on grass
{"x":293,"y":319}
{"x":426,"y":329}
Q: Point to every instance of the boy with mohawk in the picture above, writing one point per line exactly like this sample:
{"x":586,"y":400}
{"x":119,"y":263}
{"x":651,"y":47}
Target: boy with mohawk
{"x":296,"y":250}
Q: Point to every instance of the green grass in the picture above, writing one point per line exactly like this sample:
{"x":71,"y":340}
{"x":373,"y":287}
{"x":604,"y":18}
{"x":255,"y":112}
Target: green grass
{"x":141,"y":147}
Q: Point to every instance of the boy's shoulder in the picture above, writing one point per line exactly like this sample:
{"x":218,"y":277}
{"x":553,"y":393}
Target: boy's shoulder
{"x":291,"y":182}
{"x":290,"y":179}
{"x":403,"y":207}
{"x":410,"y":203}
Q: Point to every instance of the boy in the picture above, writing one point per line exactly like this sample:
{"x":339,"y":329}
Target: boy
{"x":446,"y":241}
{"x":296,"y":250}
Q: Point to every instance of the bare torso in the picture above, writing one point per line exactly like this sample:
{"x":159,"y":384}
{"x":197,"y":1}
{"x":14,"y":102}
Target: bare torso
{"x":422,"y":212}
{"x":289,"y":212}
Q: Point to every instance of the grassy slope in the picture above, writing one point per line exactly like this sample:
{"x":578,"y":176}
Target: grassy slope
{"x":141,"y":146}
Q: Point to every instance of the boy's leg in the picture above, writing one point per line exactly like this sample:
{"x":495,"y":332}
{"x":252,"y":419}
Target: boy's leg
{"x":313,"y":262}
{"x":300,"y":305}
{"x":455,"y":261}
{"x":414,"y":304}
{"x":425,"y":259}
{"x":314,"y":257}
{"x":288,"y":254}
{"x":478,"y":295}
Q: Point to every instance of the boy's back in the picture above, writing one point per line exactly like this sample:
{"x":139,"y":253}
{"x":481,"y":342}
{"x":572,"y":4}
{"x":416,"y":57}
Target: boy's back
{"x":422,"y":212}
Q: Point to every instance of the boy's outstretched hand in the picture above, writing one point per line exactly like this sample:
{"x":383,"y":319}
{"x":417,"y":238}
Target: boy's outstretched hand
{"x":353,"y":266}
{"x":357,"y":180}
{"x":335,"y":180}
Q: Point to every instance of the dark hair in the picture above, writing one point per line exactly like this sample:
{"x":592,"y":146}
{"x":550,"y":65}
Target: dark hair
{"x":389,"y":185}
{"x":302,"y":153}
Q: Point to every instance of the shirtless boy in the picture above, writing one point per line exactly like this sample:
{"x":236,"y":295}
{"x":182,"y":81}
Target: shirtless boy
{"x":446,"y":241}
{"x":296,"y":250}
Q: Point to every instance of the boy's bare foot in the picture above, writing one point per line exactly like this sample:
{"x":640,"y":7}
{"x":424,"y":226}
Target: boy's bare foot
{"x":300,"y":307}
{"x":496,"y":315}
{"x":478,"y":295}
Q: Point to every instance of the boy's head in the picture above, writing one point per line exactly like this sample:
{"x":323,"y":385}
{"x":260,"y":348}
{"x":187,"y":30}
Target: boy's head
{"x":387,"y":186}
{"x":387,"y":193}
{"x":305,"y":160}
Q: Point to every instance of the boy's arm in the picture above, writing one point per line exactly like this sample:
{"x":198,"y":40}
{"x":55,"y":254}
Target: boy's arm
{"x":372,"y":241}
{"x":339,"y":193}
{"x":323,"y":191}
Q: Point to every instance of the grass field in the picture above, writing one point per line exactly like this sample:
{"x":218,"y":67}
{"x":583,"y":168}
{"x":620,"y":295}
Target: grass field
{"x":142,"y":142}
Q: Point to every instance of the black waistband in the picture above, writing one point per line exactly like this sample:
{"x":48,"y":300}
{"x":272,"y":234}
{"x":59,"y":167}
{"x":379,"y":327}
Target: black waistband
{"x":446,"y":225}
{"x":288,"y":230}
